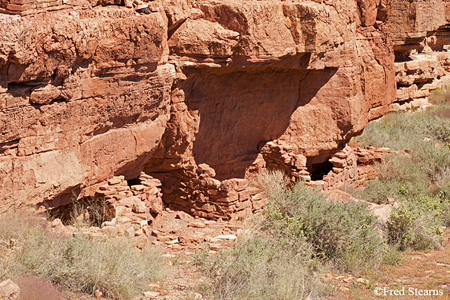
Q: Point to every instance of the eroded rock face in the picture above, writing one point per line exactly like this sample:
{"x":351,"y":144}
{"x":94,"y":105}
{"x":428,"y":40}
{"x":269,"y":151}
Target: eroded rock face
{"x":421,"y":38}
{"x":200,"y":95}
{"x":304,"y":74}
{"x":84,"y":95}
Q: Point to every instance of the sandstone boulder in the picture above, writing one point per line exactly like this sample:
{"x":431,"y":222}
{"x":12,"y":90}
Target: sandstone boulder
{"x":9,"y":290}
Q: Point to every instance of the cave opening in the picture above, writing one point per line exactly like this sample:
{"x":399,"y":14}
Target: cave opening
{"x":133,"y":181}
{"x":318,"y":170}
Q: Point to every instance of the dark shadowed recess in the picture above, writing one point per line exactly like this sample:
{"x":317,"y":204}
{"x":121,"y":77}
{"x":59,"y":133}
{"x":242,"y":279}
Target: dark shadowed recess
{"x":243,"y":109}
{"x":318,"y":169}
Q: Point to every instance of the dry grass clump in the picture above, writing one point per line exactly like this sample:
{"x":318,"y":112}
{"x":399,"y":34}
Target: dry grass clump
{"x":419,"y":180}
{"x":90,"y":211}
{"x":282,"y":252}
{"x":440,"y":96}
{"x":77,"y":264}
{"x":113,"y":267}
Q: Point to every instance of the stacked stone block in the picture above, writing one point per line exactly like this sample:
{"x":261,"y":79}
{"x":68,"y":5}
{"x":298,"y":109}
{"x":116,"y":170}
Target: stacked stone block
{"x":352,"y":166}
{"x":279,"y":155}
{"x":423,"y":70}
{"x":418,"y":77}
{"x":135,"y":206}
{"x":204,"y":196}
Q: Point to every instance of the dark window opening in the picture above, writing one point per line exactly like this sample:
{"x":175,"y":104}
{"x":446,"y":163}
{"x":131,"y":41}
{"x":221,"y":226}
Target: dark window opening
{"x":318,"y":170}
{"x":133,"y":181}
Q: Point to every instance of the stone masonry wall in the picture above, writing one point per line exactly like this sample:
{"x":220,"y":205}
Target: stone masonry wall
{"x":202,"y":195}
{"x":353,"y":167}
{"x":349,"y":166}
{"x":201,"y":95}
{"x":136,"y":203}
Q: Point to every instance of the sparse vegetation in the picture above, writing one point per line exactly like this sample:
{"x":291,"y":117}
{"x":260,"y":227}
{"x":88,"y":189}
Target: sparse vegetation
{"x":263,"y":267}
{"x":90,"y":211}
{"x":302,"y":233}
{"x":283,"y":251}
{"x":77,"y":264}
{"x":419,"y":178}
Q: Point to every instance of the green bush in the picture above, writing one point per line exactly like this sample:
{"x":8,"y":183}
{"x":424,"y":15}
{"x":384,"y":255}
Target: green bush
{"x":424,"y":136}
{"x":412,"y":227}
{"x":113,"y":266}
{"x":341,"y":233}
{"x":392,"y":256}
{"x":281,"y":253}
{"x":439,"y":129}
{"x":379,"y":191}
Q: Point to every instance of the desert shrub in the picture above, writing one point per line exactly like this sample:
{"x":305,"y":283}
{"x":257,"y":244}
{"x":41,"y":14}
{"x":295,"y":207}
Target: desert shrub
{"x":379,"y":191}
{"x":398,"y":131}
{"x":392,"y":256}
{"x":418,"y":180}
{"x":263,"y":267}
{"x":423,"y":135}
{"x":440,"y":96}
{"x":281,"y":253}
{"x":14,"y":225}
{"x":416,"y":224}
{"x":341,"y":233}
{"x":439,"y":128}
{"x":80,"y":265}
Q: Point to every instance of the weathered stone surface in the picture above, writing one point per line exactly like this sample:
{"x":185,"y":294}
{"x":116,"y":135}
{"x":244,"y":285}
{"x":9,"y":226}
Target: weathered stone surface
{"x":410,"y":21}
{"x":82,"y":98}
{"x":197,"y":224}
{"x":197,"y":94}
{"x":9,"y":290}
{"x":417,"y":78}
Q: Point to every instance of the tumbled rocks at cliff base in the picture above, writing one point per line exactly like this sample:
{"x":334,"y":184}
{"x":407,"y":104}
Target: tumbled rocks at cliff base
{"x":184,"y":106}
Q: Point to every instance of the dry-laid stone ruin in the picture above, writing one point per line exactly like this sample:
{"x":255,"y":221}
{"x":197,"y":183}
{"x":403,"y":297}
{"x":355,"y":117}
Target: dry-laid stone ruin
{"x":184,"y":106}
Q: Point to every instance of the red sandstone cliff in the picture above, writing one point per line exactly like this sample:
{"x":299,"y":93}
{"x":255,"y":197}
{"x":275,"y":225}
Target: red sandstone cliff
{"x":196,"y":94}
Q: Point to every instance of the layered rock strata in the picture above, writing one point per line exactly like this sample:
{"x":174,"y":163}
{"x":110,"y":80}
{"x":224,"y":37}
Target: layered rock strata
{"x":201,"y":95}
{"x":421,"y":37}
{"x":84,"y":96}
